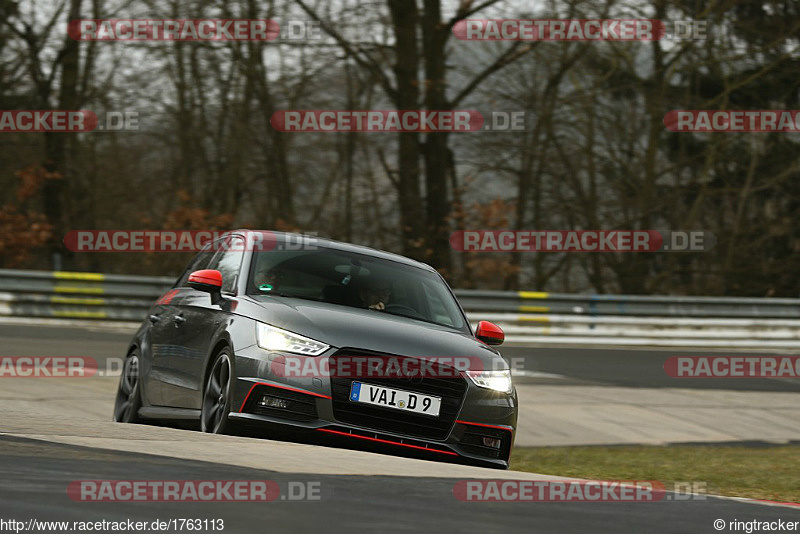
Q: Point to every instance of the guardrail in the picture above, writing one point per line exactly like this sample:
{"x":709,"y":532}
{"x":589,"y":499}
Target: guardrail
{"x":526,"y":316}
{"x":78,"y":295}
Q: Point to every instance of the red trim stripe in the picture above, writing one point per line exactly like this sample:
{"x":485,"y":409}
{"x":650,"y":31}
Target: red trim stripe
{"x":385,"y":441}
{"x":780,"y":503}
{"x":506,"y":428}
{"x":280,"y":387}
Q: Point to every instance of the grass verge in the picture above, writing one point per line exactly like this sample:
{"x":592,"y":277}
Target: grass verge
{"x":758,"y":472}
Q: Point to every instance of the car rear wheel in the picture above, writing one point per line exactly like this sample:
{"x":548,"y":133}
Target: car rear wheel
{"x":217,"y":396}
{"x":129,"y":398}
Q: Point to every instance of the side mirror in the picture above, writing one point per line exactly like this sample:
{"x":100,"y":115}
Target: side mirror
{"x":207,"y":281}
{"x":490,"y":333}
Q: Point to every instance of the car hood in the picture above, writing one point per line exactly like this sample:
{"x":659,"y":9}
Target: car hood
{"x":344,"y":326}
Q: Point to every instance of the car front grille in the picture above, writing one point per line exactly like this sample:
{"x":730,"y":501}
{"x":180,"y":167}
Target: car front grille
{"x":450,"y":389}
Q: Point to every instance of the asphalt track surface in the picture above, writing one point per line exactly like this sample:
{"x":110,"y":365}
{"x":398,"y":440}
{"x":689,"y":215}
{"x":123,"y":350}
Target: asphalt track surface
{"x":635,"y":367}
{"x":629,"y":367}
{"x":34,"y":475}
{"x":405,"y":495}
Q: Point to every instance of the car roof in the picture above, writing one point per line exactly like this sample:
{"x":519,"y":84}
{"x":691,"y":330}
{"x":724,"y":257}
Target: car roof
{"x":339,"y":245}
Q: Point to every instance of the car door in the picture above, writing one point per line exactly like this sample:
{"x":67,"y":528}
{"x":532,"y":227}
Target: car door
{"x":155,"y":343}
{"x":196,"y":322}
{"x":162,"y":335}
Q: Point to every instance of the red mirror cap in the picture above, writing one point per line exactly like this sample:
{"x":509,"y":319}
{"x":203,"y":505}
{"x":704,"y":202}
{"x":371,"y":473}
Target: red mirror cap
{"x":490,"y":333}
{"x":208,"y":277}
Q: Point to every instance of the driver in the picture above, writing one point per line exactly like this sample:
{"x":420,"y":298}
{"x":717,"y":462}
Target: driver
{"x":375,"y":295}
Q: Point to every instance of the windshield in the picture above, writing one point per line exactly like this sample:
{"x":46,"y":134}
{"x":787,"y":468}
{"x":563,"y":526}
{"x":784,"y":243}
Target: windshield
{"x":358,"y":281}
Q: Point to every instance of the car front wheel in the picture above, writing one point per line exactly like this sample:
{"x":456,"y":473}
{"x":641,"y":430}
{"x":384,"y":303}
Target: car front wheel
{"x":217,"y":396}
{"x":129,"y":396}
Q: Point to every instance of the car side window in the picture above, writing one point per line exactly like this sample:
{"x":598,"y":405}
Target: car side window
{"x":227,"y":262}
{"x":198,"y":263}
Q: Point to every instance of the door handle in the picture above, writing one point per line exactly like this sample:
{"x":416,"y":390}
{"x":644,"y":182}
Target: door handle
{"x":154,"y":319}
{"x":178,"y":320}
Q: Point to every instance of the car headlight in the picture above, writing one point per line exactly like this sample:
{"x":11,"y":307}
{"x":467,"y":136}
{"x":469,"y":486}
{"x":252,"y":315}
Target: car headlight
{"x":279,"y":340}
{"x":496,"y":380}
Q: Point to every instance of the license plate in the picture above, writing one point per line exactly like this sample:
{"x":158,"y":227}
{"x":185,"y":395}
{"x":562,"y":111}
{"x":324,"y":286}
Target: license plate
{"x":395,"y":398}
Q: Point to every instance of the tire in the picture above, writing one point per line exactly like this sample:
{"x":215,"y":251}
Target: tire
{"x":129,"y":393}
{"x":217,"y":396}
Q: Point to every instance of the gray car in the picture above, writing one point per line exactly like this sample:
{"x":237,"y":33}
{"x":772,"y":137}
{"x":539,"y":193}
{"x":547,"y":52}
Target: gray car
{"x":281,"y":334}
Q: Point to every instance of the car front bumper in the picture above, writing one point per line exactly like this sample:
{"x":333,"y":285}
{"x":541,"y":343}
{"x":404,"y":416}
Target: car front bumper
{"x":482,"y":431}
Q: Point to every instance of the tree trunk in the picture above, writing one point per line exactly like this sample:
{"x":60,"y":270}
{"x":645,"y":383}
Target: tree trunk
{"x":404,"y":20}
{"x":56,"y":160}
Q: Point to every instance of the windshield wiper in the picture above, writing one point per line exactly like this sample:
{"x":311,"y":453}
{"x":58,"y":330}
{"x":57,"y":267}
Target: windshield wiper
{"x":400,"y":314}
{"x":286,"y":295}
{"x":423,"y":320}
